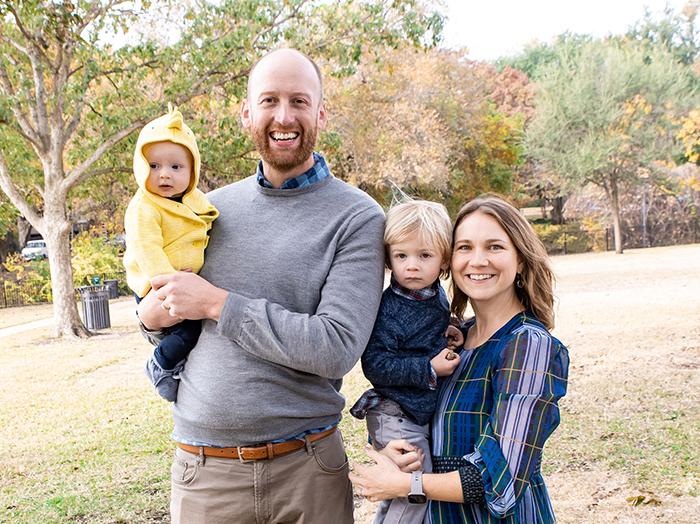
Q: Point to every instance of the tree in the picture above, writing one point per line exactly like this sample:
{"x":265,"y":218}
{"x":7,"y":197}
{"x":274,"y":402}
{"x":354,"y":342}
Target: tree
{"x":675,"y":33}
{"x":422,"y":120}
{"x":74,"y":100}
{"x":605,"y":111}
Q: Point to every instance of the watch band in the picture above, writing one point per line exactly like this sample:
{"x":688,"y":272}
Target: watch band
{"x":417,"y":482}
{"x":416,"y":496}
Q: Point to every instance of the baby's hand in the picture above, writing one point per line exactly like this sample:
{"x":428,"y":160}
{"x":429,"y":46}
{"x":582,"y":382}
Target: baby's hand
{"x":455,"y":338}
{"x":445,"y":362}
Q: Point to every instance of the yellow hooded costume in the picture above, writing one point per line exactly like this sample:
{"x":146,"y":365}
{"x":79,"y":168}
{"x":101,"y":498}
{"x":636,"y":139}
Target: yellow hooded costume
{"x":163,"y":235}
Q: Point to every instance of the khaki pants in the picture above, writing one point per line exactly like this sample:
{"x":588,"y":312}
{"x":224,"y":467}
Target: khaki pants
{"x":309,"y":486}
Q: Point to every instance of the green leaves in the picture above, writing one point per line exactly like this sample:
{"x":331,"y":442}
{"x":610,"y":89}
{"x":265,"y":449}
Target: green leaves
{"x":602,"y":109}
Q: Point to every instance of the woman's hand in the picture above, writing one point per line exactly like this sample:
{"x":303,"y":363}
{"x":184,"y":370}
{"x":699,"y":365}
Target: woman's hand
{"x":382,"y":481}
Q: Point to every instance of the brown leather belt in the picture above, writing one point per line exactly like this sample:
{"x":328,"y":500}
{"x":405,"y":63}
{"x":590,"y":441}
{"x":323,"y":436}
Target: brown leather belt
{"x":267,"y":451}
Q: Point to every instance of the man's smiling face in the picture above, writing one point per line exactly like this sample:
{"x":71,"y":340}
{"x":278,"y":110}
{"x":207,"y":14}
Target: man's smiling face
{"x":284,"y":112}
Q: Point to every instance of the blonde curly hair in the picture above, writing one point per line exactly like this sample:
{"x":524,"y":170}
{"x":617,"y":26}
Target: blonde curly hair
{"x":429,"y":220}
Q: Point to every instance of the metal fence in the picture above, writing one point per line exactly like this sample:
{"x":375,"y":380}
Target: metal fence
{"x":667,"y":233}
{"x":633,"y":237}
{"x":28,"y":292}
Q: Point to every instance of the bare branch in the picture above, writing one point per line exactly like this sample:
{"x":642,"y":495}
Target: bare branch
{"x":99,"y":172}
{"x":349,"y":34}
{"x":15,"y":196}
{"x":95,"y":11}
{"x":41,"y":118}
{"x":25,"y":126}
{"x":276,"y":23}
{"x":35,"y":41}
{"x":150,"y":63}
{"x":14,"y":43}
{"x":225,"y":78}
{"x":75,"y":121}
{"x":80,"y":173}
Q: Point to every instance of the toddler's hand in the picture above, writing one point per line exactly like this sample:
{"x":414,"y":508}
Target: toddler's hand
{"x":455,"y":338}
{"x":445,"y":362}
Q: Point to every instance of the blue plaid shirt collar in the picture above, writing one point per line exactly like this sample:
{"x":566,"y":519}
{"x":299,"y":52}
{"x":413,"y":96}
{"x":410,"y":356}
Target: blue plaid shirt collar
{"x":316,"y":173}
{"x":415,"y":294}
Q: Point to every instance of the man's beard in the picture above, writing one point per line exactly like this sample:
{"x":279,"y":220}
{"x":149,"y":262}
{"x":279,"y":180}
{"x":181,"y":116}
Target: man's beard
{"x":283,"y":161}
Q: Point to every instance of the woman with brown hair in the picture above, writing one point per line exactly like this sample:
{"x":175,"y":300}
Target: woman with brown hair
{"x":500,"y":405}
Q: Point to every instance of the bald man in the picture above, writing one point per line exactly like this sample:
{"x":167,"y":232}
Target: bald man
{"x":289,"y":292}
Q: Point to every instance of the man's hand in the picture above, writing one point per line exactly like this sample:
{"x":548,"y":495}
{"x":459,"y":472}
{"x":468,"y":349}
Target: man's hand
{"x":188,"y":296}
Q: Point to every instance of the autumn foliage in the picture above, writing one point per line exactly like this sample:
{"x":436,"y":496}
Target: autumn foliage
{"x":433,"y":122}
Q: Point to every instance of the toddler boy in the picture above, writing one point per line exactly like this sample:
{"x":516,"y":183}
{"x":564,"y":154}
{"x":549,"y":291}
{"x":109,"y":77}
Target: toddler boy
{"x":408,"y":351}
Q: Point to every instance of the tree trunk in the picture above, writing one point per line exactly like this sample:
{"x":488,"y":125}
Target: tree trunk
{"x":24,"y":229}
{"x":557,"y":211}
{"x":611,"y":190}
{"x":7,"y":245}
{"x":66,"y":320}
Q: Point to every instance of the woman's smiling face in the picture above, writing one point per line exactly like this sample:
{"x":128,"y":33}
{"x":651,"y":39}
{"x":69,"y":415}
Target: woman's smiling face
{"x":484,"y":260}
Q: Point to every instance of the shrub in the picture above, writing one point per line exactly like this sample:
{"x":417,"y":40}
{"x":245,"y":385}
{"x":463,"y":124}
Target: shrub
{"x":91,"y":254}
{"x":567,"y":238}
{"x":29,"y":282}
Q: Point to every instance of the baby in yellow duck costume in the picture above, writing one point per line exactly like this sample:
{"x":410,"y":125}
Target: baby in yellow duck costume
{"x":167,"y":224}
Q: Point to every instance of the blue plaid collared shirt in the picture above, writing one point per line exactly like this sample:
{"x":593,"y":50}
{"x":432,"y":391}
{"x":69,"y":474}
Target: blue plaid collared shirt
{"x":316,"y":173}
{"x":414,"y":294}
{"x":497,"y":410}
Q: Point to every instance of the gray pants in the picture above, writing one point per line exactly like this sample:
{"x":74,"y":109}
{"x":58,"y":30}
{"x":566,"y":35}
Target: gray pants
{"x":387,"y":422}
{"x":307,"y":485}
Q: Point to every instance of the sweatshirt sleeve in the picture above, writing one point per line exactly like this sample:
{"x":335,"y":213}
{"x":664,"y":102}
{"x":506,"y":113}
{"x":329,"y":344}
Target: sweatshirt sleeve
{"x":530,"y":378}
{"x":329,"y":342}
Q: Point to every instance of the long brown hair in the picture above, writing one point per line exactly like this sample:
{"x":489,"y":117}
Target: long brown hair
{"x":537,"y":294}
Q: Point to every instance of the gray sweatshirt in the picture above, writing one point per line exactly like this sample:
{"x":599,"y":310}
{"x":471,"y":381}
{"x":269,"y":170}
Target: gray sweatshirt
{"x":304,"y":268}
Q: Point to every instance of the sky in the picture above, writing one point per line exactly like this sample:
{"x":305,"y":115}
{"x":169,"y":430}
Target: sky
{"x":490,"y":29}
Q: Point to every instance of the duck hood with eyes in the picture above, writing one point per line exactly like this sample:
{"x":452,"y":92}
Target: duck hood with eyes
{"x":167,"y":128}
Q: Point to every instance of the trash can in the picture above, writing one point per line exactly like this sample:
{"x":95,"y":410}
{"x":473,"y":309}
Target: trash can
{"x":113,"y":287}
{"x":95,"y":302}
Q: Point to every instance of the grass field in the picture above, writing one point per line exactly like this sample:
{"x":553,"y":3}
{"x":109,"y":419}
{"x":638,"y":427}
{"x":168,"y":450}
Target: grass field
{"x":86,"y":440}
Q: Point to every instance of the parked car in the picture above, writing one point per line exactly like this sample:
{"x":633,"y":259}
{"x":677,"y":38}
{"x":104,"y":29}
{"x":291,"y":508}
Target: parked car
{"x":119,"y":241}
{"x":35,"y":250}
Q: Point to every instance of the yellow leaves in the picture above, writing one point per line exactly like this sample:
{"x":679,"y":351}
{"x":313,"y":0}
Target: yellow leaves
{"x":420,"y":118}
{"x":634,"y":110}
{"x":648,"y":499}
{"x":690,"y":135}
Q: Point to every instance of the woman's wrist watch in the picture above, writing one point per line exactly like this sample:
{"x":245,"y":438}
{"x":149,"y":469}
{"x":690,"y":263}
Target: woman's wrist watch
{"x":416,"y":496}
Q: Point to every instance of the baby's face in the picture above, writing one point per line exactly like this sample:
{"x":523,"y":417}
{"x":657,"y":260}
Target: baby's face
{"x":171,"y":168}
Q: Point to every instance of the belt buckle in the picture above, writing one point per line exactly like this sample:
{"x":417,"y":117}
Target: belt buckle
{"x":252,"y":450}
{"x":240,"y":455}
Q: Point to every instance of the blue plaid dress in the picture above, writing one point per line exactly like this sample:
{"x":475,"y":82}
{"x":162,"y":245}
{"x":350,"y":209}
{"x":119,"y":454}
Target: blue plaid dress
{"x":496,"y":411}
